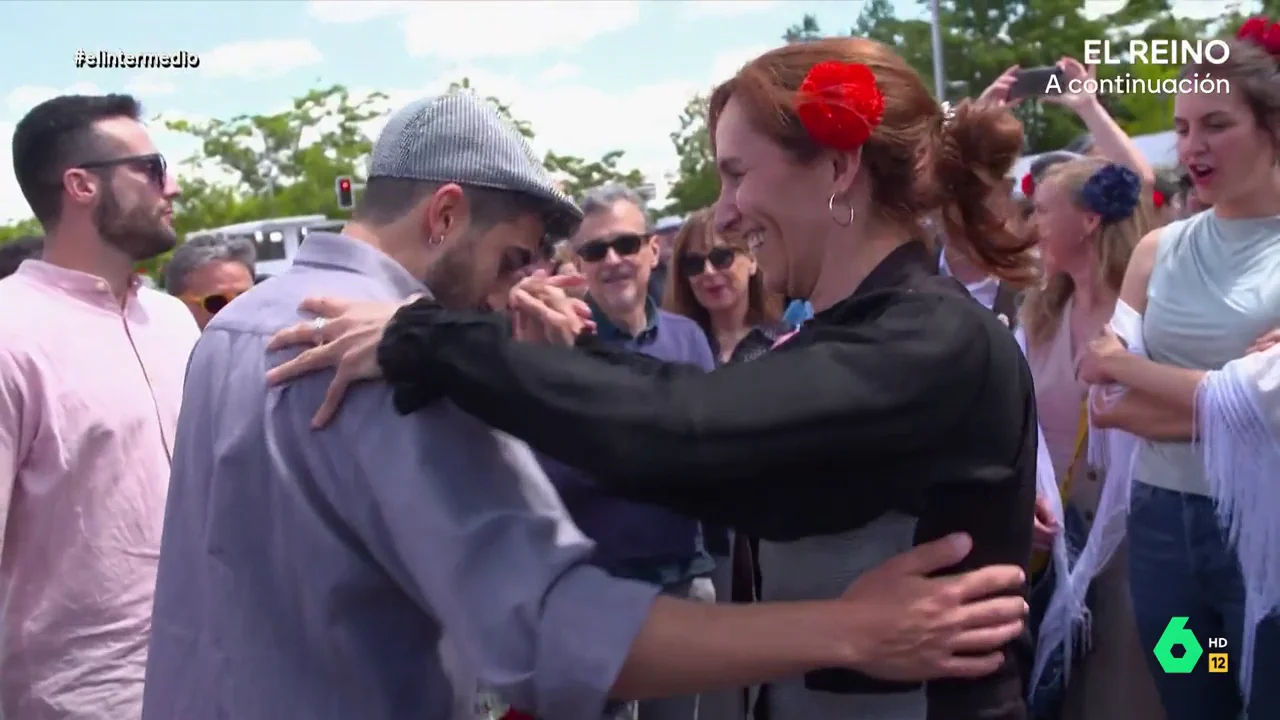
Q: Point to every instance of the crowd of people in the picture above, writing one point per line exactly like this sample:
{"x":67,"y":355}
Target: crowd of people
{"x":884,"y":434}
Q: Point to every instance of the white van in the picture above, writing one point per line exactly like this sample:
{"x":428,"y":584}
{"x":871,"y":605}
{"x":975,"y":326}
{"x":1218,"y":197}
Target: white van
{"x":276,"y":239}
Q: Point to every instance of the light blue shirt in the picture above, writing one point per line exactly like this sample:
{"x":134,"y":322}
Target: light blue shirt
{"x":313,"y":574}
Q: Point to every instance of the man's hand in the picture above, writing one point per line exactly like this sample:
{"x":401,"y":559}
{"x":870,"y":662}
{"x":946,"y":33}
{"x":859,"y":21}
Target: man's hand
{"x":914,"y":627}
{"x":345,"y":336}
{"x":542,"y":310}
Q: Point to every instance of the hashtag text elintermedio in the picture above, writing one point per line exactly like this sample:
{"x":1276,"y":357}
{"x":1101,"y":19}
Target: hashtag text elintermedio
{"x":137,"y":61}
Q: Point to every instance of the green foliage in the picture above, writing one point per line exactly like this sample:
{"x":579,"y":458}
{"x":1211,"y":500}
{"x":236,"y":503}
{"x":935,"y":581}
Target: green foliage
{"x":285,"y":164}
{"x":697,"y":184}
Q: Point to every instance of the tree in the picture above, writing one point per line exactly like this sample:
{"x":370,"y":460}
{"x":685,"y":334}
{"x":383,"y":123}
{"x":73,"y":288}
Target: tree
{"x":806,"y":29}
{"x":982,"y":38}
{"x":281,"y":164}
{"x":522,"y":126}
{"x":285,"y":164}
{"x":697,"y":183}
{"x":21,"y":228}
{"x":578,"y":174}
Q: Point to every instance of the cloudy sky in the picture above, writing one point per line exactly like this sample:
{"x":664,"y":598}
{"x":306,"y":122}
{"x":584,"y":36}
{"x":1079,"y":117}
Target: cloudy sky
{"x":590,"y":76}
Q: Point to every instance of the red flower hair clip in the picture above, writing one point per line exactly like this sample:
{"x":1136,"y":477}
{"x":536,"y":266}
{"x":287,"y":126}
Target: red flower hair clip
{"x":1157,"y":199}
{"x":1261,"y":32}
{"x":840,"y":105}
{"x":1028,"y":185}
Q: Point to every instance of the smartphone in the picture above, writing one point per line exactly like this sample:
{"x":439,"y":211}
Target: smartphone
{"x":1036,"y":82}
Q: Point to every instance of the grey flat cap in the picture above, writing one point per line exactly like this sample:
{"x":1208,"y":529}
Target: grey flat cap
{"x":460,"y":138}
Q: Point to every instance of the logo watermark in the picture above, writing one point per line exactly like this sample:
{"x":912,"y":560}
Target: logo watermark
{"x":1156,"y":52}
{"x":1176,"y":633}
{"x":1127,"y":84}
{"x":112,"y":59}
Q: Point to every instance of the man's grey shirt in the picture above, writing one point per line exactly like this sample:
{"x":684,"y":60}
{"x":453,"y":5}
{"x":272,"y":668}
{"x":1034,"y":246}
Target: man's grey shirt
{"x":312,"y":574}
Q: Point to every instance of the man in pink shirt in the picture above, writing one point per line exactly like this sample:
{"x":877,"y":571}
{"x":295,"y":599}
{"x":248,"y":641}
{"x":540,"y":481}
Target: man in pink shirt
{"x":91,"y":372}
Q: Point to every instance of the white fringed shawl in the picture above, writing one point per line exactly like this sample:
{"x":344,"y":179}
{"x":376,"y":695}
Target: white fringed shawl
{"x":1115,"y":452}
{"x":1238,"y":426}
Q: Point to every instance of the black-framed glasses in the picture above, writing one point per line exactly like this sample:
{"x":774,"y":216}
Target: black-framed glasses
{"x":693,"y":264}
{"x":153,"y":164}
{"x":626,"y":245}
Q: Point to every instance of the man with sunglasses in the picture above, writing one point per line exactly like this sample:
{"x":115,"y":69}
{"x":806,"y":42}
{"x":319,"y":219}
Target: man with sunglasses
{"x":617,"y":255}
{"x":208,"y":272}
{"x":92,"y":367}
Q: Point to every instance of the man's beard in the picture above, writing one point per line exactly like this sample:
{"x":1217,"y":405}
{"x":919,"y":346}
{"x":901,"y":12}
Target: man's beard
{"x":453,"y":277}
{"x":136,"y":232}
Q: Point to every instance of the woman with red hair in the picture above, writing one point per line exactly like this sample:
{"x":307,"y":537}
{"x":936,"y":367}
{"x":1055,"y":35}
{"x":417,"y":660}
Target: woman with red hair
{"x":903,"y":411}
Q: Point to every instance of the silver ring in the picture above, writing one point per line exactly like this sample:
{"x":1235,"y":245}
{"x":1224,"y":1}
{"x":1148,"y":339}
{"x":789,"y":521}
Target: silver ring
{"x":317,"y":329}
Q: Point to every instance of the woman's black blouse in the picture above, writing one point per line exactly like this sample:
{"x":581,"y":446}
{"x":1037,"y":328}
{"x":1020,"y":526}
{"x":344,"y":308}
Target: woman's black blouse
{"x":906,"y":396}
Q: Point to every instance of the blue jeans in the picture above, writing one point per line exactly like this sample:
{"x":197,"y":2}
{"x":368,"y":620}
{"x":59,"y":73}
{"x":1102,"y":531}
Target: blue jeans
{"x":1180,"y":565}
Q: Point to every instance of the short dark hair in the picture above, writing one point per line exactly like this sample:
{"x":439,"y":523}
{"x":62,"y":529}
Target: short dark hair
{"x":15,"y":251}
{"x":386,"y":200}
{"x":59,"y":134}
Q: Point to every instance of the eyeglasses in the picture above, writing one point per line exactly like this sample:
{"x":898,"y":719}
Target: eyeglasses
{"x":625,"y":245}
{"x":212,"y":302}
{"x":153,"y":165}
{"x":694,"y":264}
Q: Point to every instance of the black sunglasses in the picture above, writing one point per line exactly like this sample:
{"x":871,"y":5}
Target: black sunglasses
{"x":694,"y":264}
{"x":153,"y":165}
{"x":625,"y":245}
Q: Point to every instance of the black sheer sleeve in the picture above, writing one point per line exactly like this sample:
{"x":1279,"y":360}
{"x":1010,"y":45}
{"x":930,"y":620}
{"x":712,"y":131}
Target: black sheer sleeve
{"x":744,"y":446}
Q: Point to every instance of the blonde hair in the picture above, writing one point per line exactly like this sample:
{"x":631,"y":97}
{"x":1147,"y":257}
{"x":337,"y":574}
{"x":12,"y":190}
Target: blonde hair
{"x":1112,"y":245}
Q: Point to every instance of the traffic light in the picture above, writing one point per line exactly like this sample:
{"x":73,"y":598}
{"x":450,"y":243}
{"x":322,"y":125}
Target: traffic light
{"x":345,"y":192}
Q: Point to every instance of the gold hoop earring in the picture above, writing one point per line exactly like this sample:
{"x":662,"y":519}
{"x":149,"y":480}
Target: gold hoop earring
{"x":831,"y":208}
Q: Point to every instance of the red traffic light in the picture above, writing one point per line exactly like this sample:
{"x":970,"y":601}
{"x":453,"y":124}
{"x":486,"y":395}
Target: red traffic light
{"x":344,"y":184}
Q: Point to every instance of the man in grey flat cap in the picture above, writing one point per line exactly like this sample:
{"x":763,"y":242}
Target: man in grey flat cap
{"x":314,"y":573}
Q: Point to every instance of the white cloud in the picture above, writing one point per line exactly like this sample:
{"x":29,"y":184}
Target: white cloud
{"x":150,"y":85}
{"x":559,"y":72}
{"x":488,"y":28}
{"x":727,"y":64}
{"x":353,"y":11}
{"x":259,"y":58}
{"x":703,"y":9}
{"x":571,"y":117}
{"x":23,"y":98}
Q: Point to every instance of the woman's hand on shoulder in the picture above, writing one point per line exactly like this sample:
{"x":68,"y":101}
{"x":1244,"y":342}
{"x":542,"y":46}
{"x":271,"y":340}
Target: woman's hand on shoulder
{"x":344,"y":336}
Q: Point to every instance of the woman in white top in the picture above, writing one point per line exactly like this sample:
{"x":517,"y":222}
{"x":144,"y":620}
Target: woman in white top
{"x":1207,"y":287}
{"x":1089,"y":215}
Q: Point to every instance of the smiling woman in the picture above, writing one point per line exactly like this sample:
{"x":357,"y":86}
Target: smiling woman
{"x":902,"y":412}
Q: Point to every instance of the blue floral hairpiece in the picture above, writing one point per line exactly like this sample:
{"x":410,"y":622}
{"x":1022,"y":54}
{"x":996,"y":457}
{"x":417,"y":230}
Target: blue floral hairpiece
{"x":1113,"y":192}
